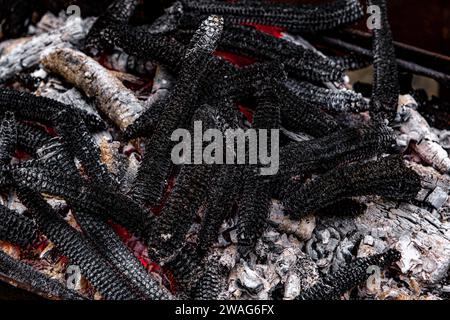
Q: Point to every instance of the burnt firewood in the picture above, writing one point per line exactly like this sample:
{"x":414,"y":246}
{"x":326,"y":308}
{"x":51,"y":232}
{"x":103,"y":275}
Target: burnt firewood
{"x":120,"y":11}
{"x":297,"y":18}
{"x":386,"y":81}
{"x":29,"y":278}
{"x":92,"y":265}
{"x":27,"y":54}
{"x":112,"y":97}
{"x":333,"y":286}
{"x":16,"y":228}
{"x":181,"y":102}
{"x":387,"y":177}
{"x":112,"y":248}
{"x":30,"y":107}
{"x":8,"y":138}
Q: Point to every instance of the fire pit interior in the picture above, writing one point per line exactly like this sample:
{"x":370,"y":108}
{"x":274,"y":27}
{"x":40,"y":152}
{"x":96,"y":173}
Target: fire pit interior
{"x":208,"y":149}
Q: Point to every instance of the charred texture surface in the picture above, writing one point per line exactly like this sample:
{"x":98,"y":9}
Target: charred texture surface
{"x":31,"y":107}
{"x":16,"y":228}
{"x":180,"y":108}
{"x":335,"y":100}
{"x":80,"y":144}
{"x":333,"y":286}
{"x":299,"y":61}
{"x":189,"y":193}
{"x":186,"y":267}
{"x":255,"y":201}
{"x":210,"y":284}
{"x":113,"y":249}
{"x":31,"y":138}
{"x":137,"y":42}
{"x":8,"y":137}
{"x":95,"y":268}
{"x":347,"y":145}
{"x":298,"y":117}
{"x":30,"y":278}
{"x":300,"y":18}
{"x":386,"y":83}
{"x":387,"y":177}
{"x":120,"y":11}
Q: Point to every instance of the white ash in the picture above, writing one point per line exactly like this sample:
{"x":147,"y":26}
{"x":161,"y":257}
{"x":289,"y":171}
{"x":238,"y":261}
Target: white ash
{"x":417,"y":132}
{"x":27,"y":55}
{"x":279,"y":263}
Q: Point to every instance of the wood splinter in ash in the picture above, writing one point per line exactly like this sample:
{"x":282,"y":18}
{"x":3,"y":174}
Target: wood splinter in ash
{"x":112,"y":97}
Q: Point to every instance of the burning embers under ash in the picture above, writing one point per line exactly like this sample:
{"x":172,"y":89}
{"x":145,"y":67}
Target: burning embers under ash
{"x":92,"y":206}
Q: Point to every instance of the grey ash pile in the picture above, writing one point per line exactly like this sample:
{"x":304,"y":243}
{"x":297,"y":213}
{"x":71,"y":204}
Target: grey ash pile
{"x":92,"y":206}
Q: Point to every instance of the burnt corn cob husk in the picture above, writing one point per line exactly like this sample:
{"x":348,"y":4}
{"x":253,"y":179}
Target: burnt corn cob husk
{"x":181,"y":102}
{"x":55,"y":156}
{"x":120,"y":11}
{"x":30,"y":107}
{"x":299,"y":61}
{"x":31,"y":138}
{"x":16,"y":228}
{"x":387,"y":177}
{"x":335,"y":100}
{"x":79,"y":144}
{"x":256,"y":198}
{"x":190,"y":191}
{"x":186,"y":267}
{"x":333,"y":286}
{"x":95,"y":199}
{"x":210,"y":284}
{"x":352,"y":62}
{"x":8,"y":138}
{"x":70,"y":242}
{"x":223,"y":193}
{"x":224,"y":188}
{"x":300,"y":18}
{"x":347,"y":145}
{"x":108,"y":204}
{"x":297,"y":117}
{"x":137,"y":42}
{"x":386,"y":89}
{"x":112,"y":248}
{"x":43,"y":179}
{"x":245,"y":82}
{"x":29,"y":278}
